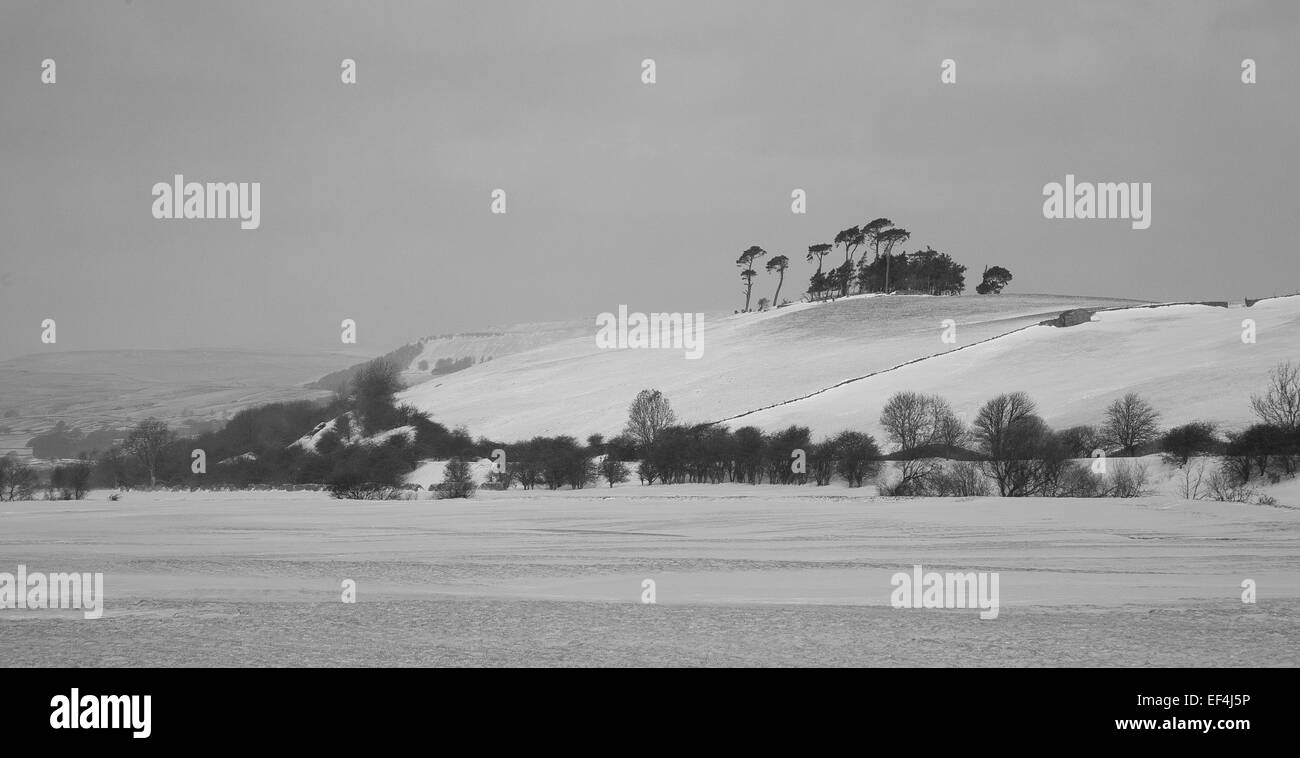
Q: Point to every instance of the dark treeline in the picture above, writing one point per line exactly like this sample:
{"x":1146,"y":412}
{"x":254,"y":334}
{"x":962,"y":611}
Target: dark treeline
{"x":259,"y":446}
{"x":365,"y":442}
{"x":63,"y":442}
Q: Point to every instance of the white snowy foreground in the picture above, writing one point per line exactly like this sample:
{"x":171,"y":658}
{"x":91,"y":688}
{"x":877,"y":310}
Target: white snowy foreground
{"x":743,"y":575}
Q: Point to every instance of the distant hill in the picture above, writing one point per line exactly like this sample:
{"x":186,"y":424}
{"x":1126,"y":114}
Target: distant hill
{"x":443,"y":354}
{"x":111,"y":389}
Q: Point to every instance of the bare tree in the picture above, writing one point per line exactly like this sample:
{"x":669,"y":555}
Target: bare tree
{"x":906,"y":420}
{"x":1280,"y":404}
{"x":649,"y":415}
{"x":998,"y":415}
{"x":17,"y":479}
{"x":146,"y":442}
{"x":1130,"y":422}
{"x":1014,"y":438}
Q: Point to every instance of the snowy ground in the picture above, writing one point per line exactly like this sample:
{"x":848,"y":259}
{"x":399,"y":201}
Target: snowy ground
{"x":744,"y":576}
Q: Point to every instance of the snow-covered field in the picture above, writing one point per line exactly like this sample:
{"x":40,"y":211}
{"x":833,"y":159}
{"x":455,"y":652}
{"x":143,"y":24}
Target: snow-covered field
{"x":744,"y":575}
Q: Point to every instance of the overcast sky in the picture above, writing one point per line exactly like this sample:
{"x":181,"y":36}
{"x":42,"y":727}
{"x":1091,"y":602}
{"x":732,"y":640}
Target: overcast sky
{"x":375,"y":196}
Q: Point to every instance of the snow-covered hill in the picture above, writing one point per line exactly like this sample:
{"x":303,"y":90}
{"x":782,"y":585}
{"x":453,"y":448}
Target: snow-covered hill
{"x":1188,"y":360}
{"x":806,"y":364}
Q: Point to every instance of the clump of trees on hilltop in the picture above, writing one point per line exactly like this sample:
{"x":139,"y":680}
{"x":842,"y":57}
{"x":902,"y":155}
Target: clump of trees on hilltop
{"x":883,"y":266}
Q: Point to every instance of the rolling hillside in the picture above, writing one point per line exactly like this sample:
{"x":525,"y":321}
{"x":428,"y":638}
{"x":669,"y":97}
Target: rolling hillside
{"x":1188,"y":360}
{"x":756,"y":360}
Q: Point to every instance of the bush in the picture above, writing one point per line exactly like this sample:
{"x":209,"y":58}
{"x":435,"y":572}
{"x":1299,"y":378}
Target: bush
{"x":17,"y":479}
{"x":1226,"y":485}
{"x":1080,"y":441}
{"x":344,"y":489}
{"x":856,"y":457}
{"x":916,"y":476}
{"x":614,"y":471}
{"x":961,"y":479}
{"x":457,"y":480}
{"x":1079,"y":481}
{"x":1127,"y":480}
{"x":1263,"y":448}
{"x":373,"y":389}
{"x":1181,"y":443}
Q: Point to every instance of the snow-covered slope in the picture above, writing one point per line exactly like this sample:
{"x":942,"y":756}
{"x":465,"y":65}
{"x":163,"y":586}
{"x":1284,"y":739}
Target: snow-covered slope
{"x":750,"y":361}
{"x":1189,"y":360}
{"x":479,"y":347}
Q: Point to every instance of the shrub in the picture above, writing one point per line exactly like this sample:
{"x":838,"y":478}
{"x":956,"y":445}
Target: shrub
{"x":1127,"y":480}
{"x":344,"y":489}
{"x":614,"y":471}
{"x":1263,"y":447}
{"x":856,"y":457}
{"x":457,"y":480}
{"x":1226,"y":485}
{"x":1181,"y":443}
{"x":960,"y":479}
{"x":916,"y":476}
{"x":1080,"y":441}
{"x":17,"y":479}
{"x":1079,"y":481}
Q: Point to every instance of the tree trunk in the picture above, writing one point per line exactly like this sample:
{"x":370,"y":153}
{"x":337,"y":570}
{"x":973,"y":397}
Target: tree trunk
{"x":776,"y":299}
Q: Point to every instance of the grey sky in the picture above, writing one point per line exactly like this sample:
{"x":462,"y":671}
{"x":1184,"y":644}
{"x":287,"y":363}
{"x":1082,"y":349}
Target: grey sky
{"x":375,"y":197}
